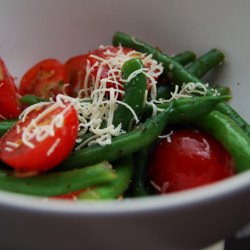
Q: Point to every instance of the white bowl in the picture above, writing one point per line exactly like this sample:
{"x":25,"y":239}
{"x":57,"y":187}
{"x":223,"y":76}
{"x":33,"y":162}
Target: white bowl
{"x":34,"y":30}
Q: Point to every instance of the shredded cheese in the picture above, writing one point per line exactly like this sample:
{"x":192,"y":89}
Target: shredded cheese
{"x":194,"y":88}
{"x":167,"y":136}
{"x":53,"y":147}
{"x":8,"y":149}
{"x":97,"y":101}
{"x":39,"y":132}
{"x":135,"y":41}
{"x":2,"y":117}
{"x":12,"y":144}
{"x":155,"y":185}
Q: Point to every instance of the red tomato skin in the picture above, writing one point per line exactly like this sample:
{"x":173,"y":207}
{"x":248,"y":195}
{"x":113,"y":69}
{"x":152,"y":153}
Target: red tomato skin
{"x":101,"y":52}
{"x":45,"y":79}
{"x":191,"y":159}
{"x":76,"y":71}
{"x":110,"y":52}
{"x":37,"y":159}
{"x":10,"y":106}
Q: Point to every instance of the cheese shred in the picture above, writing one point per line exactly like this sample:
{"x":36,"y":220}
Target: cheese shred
{"x":97,"y":101}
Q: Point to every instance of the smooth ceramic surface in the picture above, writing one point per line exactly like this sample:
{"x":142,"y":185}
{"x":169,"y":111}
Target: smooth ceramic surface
{"x":33,"y":30}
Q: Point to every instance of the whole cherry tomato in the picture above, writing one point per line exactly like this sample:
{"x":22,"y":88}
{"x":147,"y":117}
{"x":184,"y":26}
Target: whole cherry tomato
{"x":189,"y":158}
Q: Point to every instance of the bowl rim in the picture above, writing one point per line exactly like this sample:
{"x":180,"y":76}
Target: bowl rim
{"x":177,"y":200}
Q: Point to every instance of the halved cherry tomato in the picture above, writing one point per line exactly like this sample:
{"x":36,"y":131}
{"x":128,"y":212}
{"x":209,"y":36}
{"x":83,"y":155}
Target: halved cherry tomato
{"x":10,"y":106}
{"x":102,"y":70}
{"x":76,"y":71}
{"x":48,"y":142}
{"x":191,"y":158}
{"x":45,"y":79}
{"x":105,"y":53}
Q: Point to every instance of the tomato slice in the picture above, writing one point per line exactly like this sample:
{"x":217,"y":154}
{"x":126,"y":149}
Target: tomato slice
{"x":42,"y":139}
{"x":76,"y":71}
{"x":102,"y":70}
{"x":10,"y":107}
{"x":45,"y":79}
{"x":104,"y":53}
{"x":106,"y":63}
{"x":189,"y":159}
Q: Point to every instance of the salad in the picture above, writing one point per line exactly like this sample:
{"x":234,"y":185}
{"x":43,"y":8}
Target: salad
{"x":124,"y":120}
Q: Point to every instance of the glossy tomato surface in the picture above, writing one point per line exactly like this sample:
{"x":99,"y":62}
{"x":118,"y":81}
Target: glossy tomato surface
{"x":76,"y":71}
{"x":10,"y":106}
{"x":101,"y":70}
{"x":47,"y":142}
{"x":45,"y":79}
{"x":187,"y":159}
{"x":96,"y":57}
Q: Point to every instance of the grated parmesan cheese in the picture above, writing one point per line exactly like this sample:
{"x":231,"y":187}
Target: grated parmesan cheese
{"x":12,"y":144}
{"x":53,"y":147}
{"x":8,"y":149}
{"x":167,"y":136}
{"x":155,"y":185}
{"x":96,"y":102}
{"x":2,"y":117}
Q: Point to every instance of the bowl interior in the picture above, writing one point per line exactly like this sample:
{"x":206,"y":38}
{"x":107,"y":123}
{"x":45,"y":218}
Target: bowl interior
{"x":32,"y":30}
{"x":35,"y":30}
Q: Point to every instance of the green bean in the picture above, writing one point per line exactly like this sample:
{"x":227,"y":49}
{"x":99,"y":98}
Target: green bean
{"x":198,"y":68}
{"x":222,"y":90}
{"x":31,"y":99}
{"x":134,"y":97}
{"x":117,"y":187}
{"x":164,"y":91}
{"x":227,"y":110}
{"x":83,"y":138}
{"x":138,"y":186}
{"x":52,"y":184}
{"x":185,"y":57}
{"x":185,"y":110}
{"x":205,"y":63}
{"x":134,"y":93}
{"x":122,"y":145}
{"x":189,"y":108}
{"x":230,"y":135}
{"x":175,"y":70}
{"x":179,"y":75}
{"x":135,"y":89}
{"x":5,"y":125}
